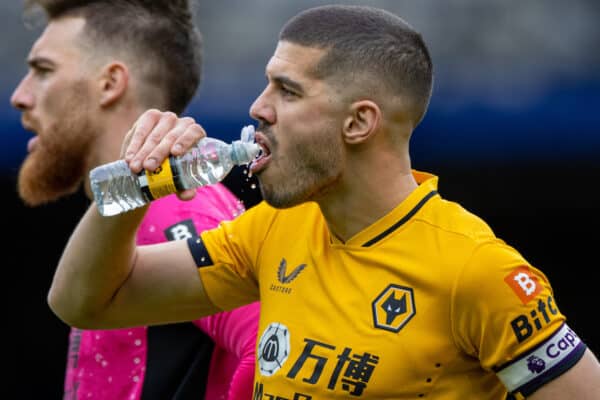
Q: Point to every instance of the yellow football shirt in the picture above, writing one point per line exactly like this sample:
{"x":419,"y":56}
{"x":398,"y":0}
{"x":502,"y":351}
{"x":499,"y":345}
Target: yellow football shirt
{"x":424,"y":303}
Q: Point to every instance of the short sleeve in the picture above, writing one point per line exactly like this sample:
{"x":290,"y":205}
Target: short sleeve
{"x":505,"y":314}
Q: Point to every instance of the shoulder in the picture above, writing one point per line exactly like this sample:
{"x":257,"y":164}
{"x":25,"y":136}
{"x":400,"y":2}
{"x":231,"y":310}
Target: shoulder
{"x":271,"y":220}
{"x":169,"y":218}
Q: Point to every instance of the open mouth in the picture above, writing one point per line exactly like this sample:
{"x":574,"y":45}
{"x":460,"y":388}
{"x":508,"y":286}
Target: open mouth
{"x":263,"y":158}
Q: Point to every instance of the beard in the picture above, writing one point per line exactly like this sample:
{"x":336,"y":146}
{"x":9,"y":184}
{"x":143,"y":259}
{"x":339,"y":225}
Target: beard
{"x":57,"y":166}
{"x":307,"y":172}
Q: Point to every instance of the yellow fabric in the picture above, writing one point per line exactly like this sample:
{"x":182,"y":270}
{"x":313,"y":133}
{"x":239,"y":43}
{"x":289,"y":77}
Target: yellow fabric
{"x":437,"y":270}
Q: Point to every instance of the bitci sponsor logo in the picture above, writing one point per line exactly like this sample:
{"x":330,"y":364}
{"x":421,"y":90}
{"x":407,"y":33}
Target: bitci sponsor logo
{"x":522,"y":281}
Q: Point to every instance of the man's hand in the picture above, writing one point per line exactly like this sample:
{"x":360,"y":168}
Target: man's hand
{"x":156,"y":135}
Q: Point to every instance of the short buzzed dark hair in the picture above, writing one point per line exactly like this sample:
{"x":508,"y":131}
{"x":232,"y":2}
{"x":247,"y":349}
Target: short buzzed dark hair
{"x":158,"y":35}
{"x":362,"y":40}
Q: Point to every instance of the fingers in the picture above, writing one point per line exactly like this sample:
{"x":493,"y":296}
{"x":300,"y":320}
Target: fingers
{"x":192,"y":133}
{"x":137,"y":135}
{"x":158,"y":142}
{"x":156,"y":135}
{"x":186,"y":194}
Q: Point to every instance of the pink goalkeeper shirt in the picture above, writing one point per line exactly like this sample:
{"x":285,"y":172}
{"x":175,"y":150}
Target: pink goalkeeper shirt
{"x":111,"y":364}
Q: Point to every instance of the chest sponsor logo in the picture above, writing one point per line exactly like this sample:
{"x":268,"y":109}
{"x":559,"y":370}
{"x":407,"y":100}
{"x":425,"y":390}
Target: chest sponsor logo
{"x":525,"y":285}
{"x":182,"y":230}
{"x":333,"y":368}
{"x":393,"y":308}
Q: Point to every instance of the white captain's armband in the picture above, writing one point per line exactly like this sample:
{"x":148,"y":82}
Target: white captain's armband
{"x":542,"y":364}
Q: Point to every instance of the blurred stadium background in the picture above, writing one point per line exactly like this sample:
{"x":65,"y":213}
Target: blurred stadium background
{"x":513,"y":131}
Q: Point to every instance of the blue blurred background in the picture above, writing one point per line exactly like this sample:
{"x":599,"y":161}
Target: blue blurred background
{"x":516,"y":82}
{"x":513,"y":131}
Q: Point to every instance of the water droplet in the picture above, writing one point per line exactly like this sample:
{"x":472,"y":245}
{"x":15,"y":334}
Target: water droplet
{"x":253,"y":186}
{"x":138,"y":342}
{"x":136,"y":378}
{"x":136,"y":360}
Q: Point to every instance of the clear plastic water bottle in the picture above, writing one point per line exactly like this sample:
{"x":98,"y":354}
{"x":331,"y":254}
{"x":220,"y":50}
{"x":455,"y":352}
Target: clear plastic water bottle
{"x":117,"y":189}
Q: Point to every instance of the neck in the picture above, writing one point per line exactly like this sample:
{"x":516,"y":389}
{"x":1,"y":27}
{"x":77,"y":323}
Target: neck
{"x":364,"y":197}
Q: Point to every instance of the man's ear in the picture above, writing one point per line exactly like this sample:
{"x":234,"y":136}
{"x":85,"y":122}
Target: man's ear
{"x":363,"y":121}
{"x":114,"y":80}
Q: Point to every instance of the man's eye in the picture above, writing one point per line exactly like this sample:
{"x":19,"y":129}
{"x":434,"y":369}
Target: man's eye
{"x":287,"y":92}
{"x":41,"y":71}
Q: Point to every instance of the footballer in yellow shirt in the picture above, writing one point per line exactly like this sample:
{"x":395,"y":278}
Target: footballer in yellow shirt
{"x":425,"y":303}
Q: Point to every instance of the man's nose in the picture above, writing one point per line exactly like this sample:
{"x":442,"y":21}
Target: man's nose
{"x":261,"y":110}
{"x":21,"y":98}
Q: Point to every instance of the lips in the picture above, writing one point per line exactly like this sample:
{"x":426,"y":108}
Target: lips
{"x":27,"y":122}
{"x":32,"y":143}
{"x":260,"y":163}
